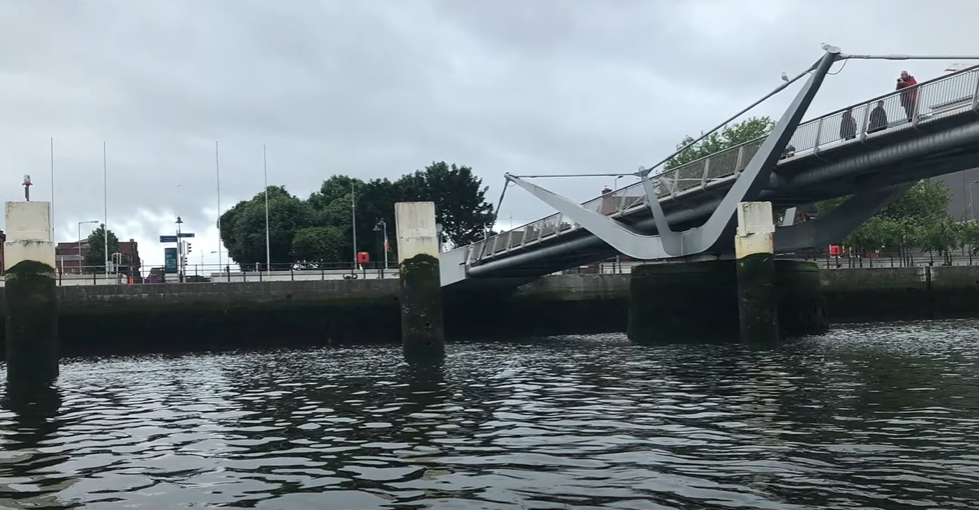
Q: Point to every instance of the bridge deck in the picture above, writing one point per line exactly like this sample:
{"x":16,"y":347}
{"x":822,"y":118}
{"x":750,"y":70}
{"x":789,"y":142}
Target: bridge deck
{"x":942,"y":104}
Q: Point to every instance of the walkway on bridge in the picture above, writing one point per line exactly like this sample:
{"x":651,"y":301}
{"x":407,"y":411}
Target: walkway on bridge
{"x":841,"y":153}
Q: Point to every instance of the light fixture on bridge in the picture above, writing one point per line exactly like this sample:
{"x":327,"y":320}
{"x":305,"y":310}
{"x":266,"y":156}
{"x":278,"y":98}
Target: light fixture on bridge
{"x":27,"y":187}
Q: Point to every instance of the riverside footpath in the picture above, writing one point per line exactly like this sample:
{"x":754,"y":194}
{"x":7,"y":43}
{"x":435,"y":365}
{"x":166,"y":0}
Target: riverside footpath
{"x":123,"y":319}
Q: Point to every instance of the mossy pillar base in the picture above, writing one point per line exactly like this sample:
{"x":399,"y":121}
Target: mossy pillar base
{"x":801,"y":305}
{"x":422,"y":331}
{"x":699,"y":301}
{"x":683,"y":301}
{"x":31,"y":323}
{"x":754,"y":249}
{"x":757,"y":298}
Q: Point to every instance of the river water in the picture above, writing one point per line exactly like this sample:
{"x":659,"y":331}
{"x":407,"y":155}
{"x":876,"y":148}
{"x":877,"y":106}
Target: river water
{"x":877,"y":416}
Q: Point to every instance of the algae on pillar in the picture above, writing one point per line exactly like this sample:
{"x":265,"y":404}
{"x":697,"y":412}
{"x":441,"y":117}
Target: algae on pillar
{"x":754,"y":251}
{"x":422,"y":333}
{"x":31,"y":303}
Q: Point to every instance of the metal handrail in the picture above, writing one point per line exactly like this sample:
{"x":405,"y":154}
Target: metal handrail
{"x":949,"y":89}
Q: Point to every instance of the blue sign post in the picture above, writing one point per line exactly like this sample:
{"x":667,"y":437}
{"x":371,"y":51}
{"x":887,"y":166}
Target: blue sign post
{"x":168,"y":239}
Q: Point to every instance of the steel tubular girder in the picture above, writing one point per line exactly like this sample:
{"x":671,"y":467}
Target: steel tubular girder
{"x":839,"y":222}
{"x":667,"y":243}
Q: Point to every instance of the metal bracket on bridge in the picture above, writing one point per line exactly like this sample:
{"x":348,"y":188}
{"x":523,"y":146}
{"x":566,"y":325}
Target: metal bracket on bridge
{"x":839,"y":222}
{"x":748,"y":186}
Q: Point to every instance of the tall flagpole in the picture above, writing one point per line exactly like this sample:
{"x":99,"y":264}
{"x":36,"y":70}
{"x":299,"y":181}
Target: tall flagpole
{"x":353,"y":223}
{"x":105,"y":210}
{"x":217,"y":172}
{"x":265,"y":172}
{"x":51,"y":210}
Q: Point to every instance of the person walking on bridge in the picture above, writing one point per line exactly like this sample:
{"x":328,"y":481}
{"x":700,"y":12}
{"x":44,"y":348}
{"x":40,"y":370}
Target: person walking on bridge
{"x":878,"y":118}
{"x":909,"y":97}
{"x":848,"y":125}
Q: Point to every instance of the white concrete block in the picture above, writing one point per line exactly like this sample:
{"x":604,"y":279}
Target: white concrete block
{"x":29,"y":235}
{"x":414,"y":224}
{"x":756,"y":229}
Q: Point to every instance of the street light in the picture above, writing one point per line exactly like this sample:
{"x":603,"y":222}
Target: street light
{"x":180,"y":254}
{"x":972,"y":187}
{"x":382,"y":226}
{"x":80,"y":223}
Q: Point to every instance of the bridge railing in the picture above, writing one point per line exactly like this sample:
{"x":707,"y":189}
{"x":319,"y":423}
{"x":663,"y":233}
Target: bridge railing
{"x":942,"y":97}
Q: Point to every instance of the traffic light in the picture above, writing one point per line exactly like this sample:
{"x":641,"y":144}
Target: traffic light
{"x":189,"y":246}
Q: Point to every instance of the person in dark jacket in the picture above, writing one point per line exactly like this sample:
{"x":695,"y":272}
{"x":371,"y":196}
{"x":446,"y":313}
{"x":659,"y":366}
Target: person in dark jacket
{"x":909,"y":96}
{"x":848,"y":125}
{"x":878,"y":118}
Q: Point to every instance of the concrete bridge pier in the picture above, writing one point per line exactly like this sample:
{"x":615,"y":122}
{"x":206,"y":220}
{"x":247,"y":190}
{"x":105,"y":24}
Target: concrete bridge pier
{"x":754,"y":251}
{"x":422,"y":330}
{"x":31,"y":313}
{"x":699,"y":301}
{"x":754,"y":298}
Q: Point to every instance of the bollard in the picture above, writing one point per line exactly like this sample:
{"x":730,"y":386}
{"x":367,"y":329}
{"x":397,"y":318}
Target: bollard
{"x":754,"y":250}
{"x":422,"y":333}
{"x":31,"y":302}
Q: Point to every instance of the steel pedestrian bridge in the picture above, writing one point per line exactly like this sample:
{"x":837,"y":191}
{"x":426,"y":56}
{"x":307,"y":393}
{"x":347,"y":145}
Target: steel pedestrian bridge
{"x":797,"y":164}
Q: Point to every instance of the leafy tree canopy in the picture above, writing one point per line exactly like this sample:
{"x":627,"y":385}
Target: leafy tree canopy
{"x":728,"y":136}
{"x":919,"y":219}
{"x":318,"y":231}
{"x":94,"y":260}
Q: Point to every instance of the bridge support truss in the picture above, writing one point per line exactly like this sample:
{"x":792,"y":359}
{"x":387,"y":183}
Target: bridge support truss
{"x":667,"y":243}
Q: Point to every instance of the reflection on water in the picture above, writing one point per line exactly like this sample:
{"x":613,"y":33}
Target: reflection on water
{"x":866,"y":417}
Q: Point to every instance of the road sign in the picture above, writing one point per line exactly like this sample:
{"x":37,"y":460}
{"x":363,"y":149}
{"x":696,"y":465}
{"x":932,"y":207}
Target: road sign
{"x":185,"y":234}
{"x":168,"y":239}
{"x":170,"y":260}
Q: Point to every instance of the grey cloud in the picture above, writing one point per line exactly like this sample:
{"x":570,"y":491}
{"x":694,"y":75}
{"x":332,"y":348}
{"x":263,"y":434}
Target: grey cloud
{"x":380,"y":88}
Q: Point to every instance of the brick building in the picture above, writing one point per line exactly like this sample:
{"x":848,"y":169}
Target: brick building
{"x":70,"y":258}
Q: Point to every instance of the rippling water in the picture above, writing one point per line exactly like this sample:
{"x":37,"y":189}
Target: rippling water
{"x":866,"y":417}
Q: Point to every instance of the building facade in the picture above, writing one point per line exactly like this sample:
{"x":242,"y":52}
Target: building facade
{"x":3,"y":239}
{"x":71,"y":256}
{"x":963,"y":186}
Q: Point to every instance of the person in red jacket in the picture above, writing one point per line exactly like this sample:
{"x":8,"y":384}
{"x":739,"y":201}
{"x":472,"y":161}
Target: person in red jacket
{"x":909,"y":98}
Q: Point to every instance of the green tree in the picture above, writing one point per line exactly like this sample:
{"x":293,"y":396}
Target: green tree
{"x":459,"y":196}
{"x":919,"y":219}
{"x":243,"y":227}
{"x":460,"y":205}
{"x":728,"y":136}
{"x":941,"y":237}
{"x":94,"y":260}
{"x":315,"y":247}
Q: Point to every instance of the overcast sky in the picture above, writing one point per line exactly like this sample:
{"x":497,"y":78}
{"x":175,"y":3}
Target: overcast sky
{"x":380,"y":88}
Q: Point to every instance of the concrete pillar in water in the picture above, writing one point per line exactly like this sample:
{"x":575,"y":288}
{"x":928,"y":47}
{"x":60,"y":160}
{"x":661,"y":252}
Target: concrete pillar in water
{"x":801,"y":305}
{"x":672,"y":302}
{"x":754,"y":251}
{"x":422,"y":333}
{"x":32,"y":305}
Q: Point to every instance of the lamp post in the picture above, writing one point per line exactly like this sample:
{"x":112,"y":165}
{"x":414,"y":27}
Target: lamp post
{"x":80,"y":223}
{"x":972,"y":187}
{"x":180,"y":254}
{"x":353,"y":223}
{"x":382,"y":226}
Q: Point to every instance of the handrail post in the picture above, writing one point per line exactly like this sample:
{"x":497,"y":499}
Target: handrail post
{"x":866,"y":121}
{"x":916,"y":115}
{"x":676,"y":179}
{"x":975,"y":94}
{"x":703,"y":179}
{"x":819,"y":132}
{"x":737,"y":166}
